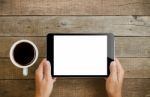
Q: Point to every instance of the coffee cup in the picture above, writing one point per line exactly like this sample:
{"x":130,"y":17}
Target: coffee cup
{"x":23,"y":54}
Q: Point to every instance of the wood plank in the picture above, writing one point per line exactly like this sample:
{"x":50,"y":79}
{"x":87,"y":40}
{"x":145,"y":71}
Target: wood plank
{"x":134,"y":68}
{"x":132,"y":46}
{"x":7,"y":42}
{"x":125,"y":46}
{"x":75,"y":7}
{"x":75,"y":88}
{"x":41,"y":25}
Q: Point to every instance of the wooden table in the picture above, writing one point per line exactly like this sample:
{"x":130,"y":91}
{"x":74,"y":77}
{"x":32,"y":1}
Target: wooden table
{"x":129,"y":20}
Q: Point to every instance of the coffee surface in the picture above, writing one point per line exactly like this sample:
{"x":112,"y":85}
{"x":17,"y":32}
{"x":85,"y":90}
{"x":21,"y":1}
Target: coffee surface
{"x":24,"y":53}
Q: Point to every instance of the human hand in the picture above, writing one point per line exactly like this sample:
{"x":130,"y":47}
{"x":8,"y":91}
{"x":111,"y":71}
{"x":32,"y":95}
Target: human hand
{"x":43,"y":80}
{"x":115,"y":80}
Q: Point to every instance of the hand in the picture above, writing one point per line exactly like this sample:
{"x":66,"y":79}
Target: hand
{"x":43,"y":80}
{"x":115,"y":80}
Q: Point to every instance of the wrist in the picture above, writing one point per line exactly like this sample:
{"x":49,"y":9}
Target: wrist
{"x":37,"y":95}
{"x":116,"y":95}
{"x":41,"y":95}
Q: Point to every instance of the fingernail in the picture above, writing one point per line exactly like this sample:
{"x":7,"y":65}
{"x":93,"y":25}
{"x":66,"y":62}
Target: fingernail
{"x":48,"y":62}
{"x":112,"y":62}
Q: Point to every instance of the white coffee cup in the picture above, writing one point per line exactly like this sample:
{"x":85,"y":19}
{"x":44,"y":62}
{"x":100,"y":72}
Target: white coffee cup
{"x":11,"y":54}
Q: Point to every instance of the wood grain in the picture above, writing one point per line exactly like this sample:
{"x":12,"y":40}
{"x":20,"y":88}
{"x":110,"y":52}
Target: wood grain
{"x":75,"y":88}
{"x":41,"y":25}
{"x":7,"y":42}
{"x":75,"y":7}
{"x":134,"y":68}
{"x":132,"y":46}
{"x":125,"y":46}
{"x":128,"y":20}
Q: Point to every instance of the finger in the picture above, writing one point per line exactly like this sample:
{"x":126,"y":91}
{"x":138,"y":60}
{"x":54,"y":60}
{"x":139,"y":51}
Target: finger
{"x":47,"y":70}
{"x":119,"y":66}
{"x":40,"y":68}
{"x":113,"y":70}
{"x":54,"y":80}
{"x":39,"y":71}
{"x":120,"y":70}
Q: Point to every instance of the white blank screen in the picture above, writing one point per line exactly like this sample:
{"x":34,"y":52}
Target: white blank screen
{"x":80,"y":55}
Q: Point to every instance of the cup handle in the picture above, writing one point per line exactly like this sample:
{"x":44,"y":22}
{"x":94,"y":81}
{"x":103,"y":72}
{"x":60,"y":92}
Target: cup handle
{"x":25,"y":71}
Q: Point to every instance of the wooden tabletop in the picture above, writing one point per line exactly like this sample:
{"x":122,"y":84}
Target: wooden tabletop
{"x":128,"y":20}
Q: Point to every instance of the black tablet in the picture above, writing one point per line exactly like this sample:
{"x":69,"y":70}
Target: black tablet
{"x":80,"y":55}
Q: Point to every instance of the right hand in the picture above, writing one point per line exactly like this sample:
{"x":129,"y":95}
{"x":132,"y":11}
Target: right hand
{"x":115,"y":80}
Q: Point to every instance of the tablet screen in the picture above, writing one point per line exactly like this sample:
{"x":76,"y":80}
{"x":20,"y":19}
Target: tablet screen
{"x":80,"y":55}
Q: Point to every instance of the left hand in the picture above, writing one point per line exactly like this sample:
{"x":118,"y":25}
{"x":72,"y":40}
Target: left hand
{"x":43,"y":79}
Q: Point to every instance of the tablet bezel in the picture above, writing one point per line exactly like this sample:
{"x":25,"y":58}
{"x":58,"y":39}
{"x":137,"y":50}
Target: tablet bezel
{"x":50,"y":52}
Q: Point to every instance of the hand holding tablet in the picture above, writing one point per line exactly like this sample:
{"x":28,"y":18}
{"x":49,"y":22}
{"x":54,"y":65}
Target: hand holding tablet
{"x":80,"y":55}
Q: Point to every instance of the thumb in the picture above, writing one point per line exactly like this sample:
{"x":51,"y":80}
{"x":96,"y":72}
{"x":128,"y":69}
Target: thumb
{"x":113,"y":70}
{"x":47,"y":70}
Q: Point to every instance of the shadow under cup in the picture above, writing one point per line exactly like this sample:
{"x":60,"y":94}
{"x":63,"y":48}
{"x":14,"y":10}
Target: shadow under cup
{"x":23,"y":54}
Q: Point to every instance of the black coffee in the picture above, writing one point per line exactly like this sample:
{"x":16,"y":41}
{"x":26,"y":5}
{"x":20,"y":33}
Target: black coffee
{"x":24,"y":53}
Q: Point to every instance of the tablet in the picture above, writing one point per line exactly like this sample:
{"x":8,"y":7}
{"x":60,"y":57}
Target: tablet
{"x":80,"y":55}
